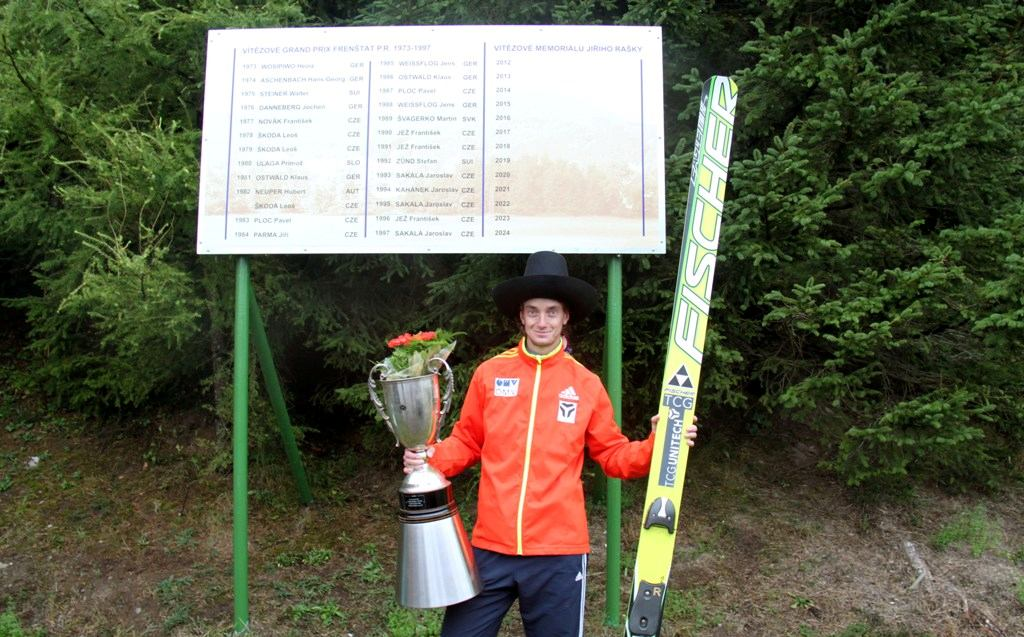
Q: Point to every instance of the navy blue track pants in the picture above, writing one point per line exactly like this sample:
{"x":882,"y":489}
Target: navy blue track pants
{"x":551,"y":591}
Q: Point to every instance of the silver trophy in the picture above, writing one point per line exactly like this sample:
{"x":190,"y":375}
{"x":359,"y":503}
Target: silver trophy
{"x":435,"y":562}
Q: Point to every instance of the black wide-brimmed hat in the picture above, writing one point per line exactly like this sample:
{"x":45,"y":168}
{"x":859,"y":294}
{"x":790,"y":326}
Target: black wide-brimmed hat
{"x":546,"y":277}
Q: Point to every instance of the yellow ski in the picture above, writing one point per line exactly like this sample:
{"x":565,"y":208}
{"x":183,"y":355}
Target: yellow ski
{"x":685,"y":350}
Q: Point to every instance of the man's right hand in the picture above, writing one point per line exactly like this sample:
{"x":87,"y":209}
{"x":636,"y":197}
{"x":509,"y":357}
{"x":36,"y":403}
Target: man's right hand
{"x":413,"y":460}
{"x":690,"y":434}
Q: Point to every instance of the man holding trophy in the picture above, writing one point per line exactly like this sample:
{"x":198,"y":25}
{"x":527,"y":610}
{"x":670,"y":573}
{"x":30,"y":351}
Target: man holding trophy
{"x":529,"y":414}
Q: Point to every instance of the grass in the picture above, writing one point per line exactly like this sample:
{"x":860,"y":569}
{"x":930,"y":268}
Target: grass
{"x":327,"y":613}
{"x":1017,"y":556}
{"x":688,"y":608}
{"x":973,"y":528}
{"x":185,"y":538}
{"x":372,"y":571}
{"x":860,"y":629}
{"x":10,"y":626}
{"x":403,"y":622}
{"x":310,"y":557}
{"x":173,"y":596}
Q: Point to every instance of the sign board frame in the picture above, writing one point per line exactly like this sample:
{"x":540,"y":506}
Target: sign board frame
{"x":441,"y":139}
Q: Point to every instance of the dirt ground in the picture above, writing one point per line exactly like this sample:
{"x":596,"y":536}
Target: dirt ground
{"x":128,"y":531}
{"x":775,"y":547}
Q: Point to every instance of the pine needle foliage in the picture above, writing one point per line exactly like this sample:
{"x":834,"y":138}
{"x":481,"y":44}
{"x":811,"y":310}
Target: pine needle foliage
{"x":870,"y":287}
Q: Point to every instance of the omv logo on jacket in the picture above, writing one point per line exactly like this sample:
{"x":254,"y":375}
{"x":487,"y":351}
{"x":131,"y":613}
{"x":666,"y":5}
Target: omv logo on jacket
{"x":506,"y":387}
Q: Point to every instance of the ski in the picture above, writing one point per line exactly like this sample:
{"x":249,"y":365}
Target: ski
{"x":660,"y":523}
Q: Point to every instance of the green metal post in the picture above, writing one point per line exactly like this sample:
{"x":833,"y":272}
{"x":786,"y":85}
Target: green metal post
{"x":613,"y":382}
{"x":270,"y":379}
{"x":240,"y":444}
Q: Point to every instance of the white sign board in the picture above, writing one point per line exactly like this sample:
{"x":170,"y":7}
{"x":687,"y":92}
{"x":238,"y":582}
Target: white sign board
{"x":493,"y":139}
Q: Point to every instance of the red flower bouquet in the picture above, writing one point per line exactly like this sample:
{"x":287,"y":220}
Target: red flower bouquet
{"x":411,"y":353}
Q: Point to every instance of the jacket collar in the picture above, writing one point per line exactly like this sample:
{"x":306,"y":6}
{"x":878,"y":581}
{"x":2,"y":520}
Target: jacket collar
{"x":551,"y":357}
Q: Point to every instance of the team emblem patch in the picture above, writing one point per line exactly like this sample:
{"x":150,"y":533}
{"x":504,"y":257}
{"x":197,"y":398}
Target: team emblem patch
{"x":567,"y":411}
{"x":506,"y":387}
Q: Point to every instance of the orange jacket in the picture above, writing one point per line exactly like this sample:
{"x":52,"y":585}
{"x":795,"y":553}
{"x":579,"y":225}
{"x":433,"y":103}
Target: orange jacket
{"x":527,"y":419}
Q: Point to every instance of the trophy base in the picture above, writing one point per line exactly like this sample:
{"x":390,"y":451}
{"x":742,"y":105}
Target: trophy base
{"x":436,"y":566}
{"x":435,"y":561}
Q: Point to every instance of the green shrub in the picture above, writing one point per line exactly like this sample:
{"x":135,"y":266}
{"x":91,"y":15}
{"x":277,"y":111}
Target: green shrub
{"x":869,"y":283}
{"x":125,"y":332}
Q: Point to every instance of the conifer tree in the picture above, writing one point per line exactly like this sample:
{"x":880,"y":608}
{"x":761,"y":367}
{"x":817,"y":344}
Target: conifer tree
{"x":870,"y":290}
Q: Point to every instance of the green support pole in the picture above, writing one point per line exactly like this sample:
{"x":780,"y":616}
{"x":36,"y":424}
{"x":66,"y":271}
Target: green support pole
{"x":276,"y":396}
{"x":613,"y":382}
{"x":240,"y":444}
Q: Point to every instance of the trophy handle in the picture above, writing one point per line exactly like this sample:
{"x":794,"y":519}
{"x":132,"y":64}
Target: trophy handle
{"x":371,"y":384}
{"x":446,"y":400}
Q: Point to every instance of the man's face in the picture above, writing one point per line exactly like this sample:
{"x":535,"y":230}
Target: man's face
{"x":543,"y":320}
